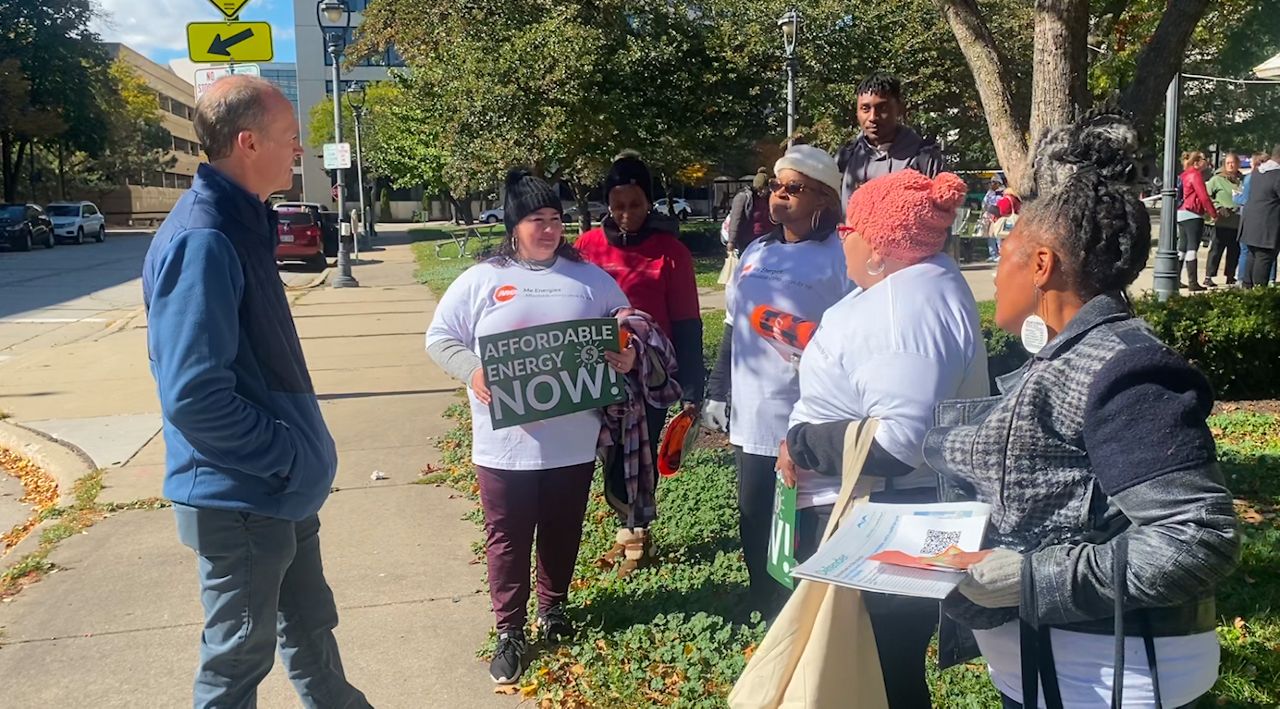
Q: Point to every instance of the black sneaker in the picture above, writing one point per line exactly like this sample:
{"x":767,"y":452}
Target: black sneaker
{"x":508,"y":662}
{"x":555,"y":625}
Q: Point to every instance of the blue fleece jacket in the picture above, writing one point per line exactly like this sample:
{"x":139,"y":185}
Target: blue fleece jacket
{"x":242,"y":427}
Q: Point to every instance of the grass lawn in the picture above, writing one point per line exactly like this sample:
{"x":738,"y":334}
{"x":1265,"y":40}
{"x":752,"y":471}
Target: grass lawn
{"x":674,"y":634}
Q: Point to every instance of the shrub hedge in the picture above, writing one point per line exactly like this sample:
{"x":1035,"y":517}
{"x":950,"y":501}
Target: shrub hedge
{"x":1231,"y":335}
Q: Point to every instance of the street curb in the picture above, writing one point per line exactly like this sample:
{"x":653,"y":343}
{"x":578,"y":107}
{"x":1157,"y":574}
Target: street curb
{"x":314,"y":282}
{"x":64,"y":461}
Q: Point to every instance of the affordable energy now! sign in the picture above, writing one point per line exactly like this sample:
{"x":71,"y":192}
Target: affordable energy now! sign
{"x":542,"y":372}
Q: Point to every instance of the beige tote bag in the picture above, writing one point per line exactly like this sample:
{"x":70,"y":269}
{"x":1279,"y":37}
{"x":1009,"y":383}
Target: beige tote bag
{"x":820,"y":652}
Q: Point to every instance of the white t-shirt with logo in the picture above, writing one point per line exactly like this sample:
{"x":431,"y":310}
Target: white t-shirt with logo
{"x":489,"y":299}
{"x":892,"y":352}
{"x":802,"y":279}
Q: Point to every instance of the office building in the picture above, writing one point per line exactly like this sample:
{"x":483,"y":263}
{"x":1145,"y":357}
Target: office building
{"x":315,"y":85}
{"x":149,"y":197}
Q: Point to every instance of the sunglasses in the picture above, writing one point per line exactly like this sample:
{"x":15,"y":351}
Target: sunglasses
{"x":843,"y":231}
{"x":792,"y":188}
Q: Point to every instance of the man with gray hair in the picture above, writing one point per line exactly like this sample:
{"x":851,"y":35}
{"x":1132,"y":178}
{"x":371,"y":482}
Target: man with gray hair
{"x":248,"y":457}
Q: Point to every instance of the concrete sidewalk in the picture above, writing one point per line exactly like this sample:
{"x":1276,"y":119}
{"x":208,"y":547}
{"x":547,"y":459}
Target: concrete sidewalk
{"x":118,"y":625}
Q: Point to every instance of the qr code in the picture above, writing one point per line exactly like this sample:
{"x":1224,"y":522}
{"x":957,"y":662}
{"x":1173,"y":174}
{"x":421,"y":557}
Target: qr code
{"x":937,"y":541}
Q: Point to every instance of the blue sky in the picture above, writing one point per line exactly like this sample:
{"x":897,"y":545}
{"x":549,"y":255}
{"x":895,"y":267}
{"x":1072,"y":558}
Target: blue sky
{"x":158,"y":28}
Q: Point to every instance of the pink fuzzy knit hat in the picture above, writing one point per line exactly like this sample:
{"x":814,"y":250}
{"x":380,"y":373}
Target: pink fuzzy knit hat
{"x":905,"y":215}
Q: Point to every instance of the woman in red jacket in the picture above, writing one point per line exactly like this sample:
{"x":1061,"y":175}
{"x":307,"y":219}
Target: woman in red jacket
{"x":642,"y":252}
{"x":1195,"y":204}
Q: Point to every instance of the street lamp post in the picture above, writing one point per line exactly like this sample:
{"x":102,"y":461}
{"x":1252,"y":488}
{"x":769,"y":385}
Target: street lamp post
{"x":334,"y":19}
{"x":1167,"y":257}
{"x":790,"y":25}
{"x":356,"y":98}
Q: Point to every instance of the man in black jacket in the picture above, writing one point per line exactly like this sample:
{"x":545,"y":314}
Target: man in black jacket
{"x":1260,"y":222}
{"x":885,"y":144}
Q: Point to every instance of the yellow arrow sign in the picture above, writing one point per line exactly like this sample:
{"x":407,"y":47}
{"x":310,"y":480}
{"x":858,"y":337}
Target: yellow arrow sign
{"x":222,"y":42}
{"x":230,"y":9}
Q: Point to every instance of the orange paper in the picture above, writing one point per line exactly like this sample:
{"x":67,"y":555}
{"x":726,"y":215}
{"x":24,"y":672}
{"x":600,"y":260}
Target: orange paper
{"x":953,"y":558}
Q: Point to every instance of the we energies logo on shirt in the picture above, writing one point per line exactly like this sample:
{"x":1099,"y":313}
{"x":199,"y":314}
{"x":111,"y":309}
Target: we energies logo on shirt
{"x":504,"y":294}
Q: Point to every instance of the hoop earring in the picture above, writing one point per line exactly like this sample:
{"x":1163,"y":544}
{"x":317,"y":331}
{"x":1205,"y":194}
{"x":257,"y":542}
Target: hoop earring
{"x":875,"y":272}
{"x":1035,"y":332}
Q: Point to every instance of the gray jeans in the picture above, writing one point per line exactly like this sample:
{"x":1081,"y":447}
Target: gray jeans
{"x":261,"y":580}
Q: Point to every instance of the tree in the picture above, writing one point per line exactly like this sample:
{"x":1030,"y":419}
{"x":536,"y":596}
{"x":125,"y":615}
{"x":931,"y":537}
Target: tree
{"x":136,"y":142}
{"x":563,"y":86}
{"x":1233,"y":37}
{"x":20,"y":123}
{"x":1061,"y":66}
{"x":58,"y":60}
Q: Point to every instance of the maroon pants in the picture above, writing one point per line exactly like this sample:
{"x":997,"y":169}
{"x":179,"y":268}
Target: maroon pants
{"x":516,"y":503}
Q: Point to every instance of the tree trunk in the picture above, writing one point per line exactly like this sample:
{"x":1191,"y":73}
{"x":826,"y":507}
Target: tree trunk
{"x":461,"y":208}
{"x":10,"y":173}
{"x":1059,"y":84}
{"x":62,"y":170}
{"x":1162,"y":56}
{"x":580,"y":193}
{"x":1007,"y":124}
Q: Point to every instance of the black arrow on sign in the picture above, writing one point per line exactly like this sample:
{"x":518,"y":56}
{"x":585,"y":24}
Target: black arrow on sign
{"x":222,"y":47}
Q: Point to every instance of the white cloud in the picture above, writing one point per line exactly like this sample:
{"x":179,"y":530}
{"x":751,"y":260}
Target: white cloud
{"x":153,"y":24}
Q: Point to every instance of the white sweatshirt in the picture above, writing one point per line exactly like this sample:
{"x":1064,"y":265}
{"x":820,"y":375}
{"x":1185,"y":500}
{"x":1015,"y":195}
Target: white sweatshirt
{"x":487,"y":300}
{"x":893,"y":352}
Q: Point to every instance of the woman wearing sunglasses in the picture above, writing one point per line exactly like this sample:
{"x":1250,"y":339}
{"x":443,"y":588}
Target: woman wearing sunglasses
{"x":908,"y":339}
{"x":799,"y":270}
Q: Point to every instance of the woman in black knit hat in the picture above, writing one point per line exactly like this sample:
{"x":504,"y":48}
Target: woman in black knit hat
{"x":642,"y":252}
{"x":535,"y":476}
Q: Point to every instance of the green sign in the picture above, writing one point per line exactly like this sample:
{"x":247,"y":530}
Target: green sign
{"x":782,"y":535}
{"x":542,"y":372}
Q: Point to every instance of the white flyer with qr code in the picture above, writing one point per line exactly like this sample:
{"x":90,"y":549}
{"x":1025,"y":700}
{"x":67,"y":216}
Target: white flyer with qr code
{"x":916,"y":531}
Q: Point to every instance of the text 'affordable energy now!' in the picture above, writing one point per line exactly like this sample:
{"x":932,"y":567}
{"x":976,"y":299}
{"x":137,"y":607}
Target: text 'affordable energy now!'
{"x":542,"y":372}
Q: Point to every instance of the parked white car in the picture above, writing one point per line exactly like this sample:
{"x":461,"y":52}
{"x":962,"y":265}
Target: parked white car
{"x":492,"y":216}
{"x":76,"y":221}
{"x":681,"y":208}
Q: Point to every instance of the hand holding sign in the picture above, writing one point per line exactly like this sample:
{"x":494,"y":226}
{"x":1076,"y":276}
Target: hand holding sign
{"x":479,"y":388}
{"x":622,"y":362}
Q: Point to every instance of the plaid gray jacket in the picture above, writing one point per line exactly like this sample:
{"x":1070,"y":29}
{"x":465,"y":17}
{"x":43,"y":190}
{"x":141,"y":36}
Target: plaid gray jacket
{"x":1101,"y":434}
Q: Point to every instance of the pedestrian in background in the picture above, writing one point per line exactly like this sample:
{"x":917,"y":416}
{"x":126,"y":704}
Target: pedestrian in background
{"x":1260,"y":225}
{"x":248,"y":458}
{"x":885,"y":143}
{"x":1223,"y":189}
{"x":534,"y":478}
{"x":990,"y":212}
{"x":797,"y":269}
{"x":1194,"y":207}
{"x":1256,"y":162}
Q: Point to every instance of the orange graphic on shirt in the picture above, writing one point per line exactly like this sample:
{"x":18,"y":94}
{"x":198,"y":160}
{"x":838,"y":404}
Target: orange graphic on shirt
{"x":504,"y":293}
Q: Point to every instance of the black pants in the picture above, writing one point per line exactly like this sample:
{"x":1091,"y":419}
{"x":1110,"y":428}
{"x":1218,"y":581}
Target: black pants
{"x":903,"y":626}
{"x":1226,"y":239}
{"x":615,"y":479}
{"x":757,"y":482}
{"x":1258,"y":266}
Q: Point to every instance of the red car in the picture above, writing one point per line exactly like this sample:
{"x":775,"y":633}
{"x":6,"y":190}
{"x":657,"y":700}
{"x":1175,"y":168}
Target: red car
{"x":299,"y":238}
